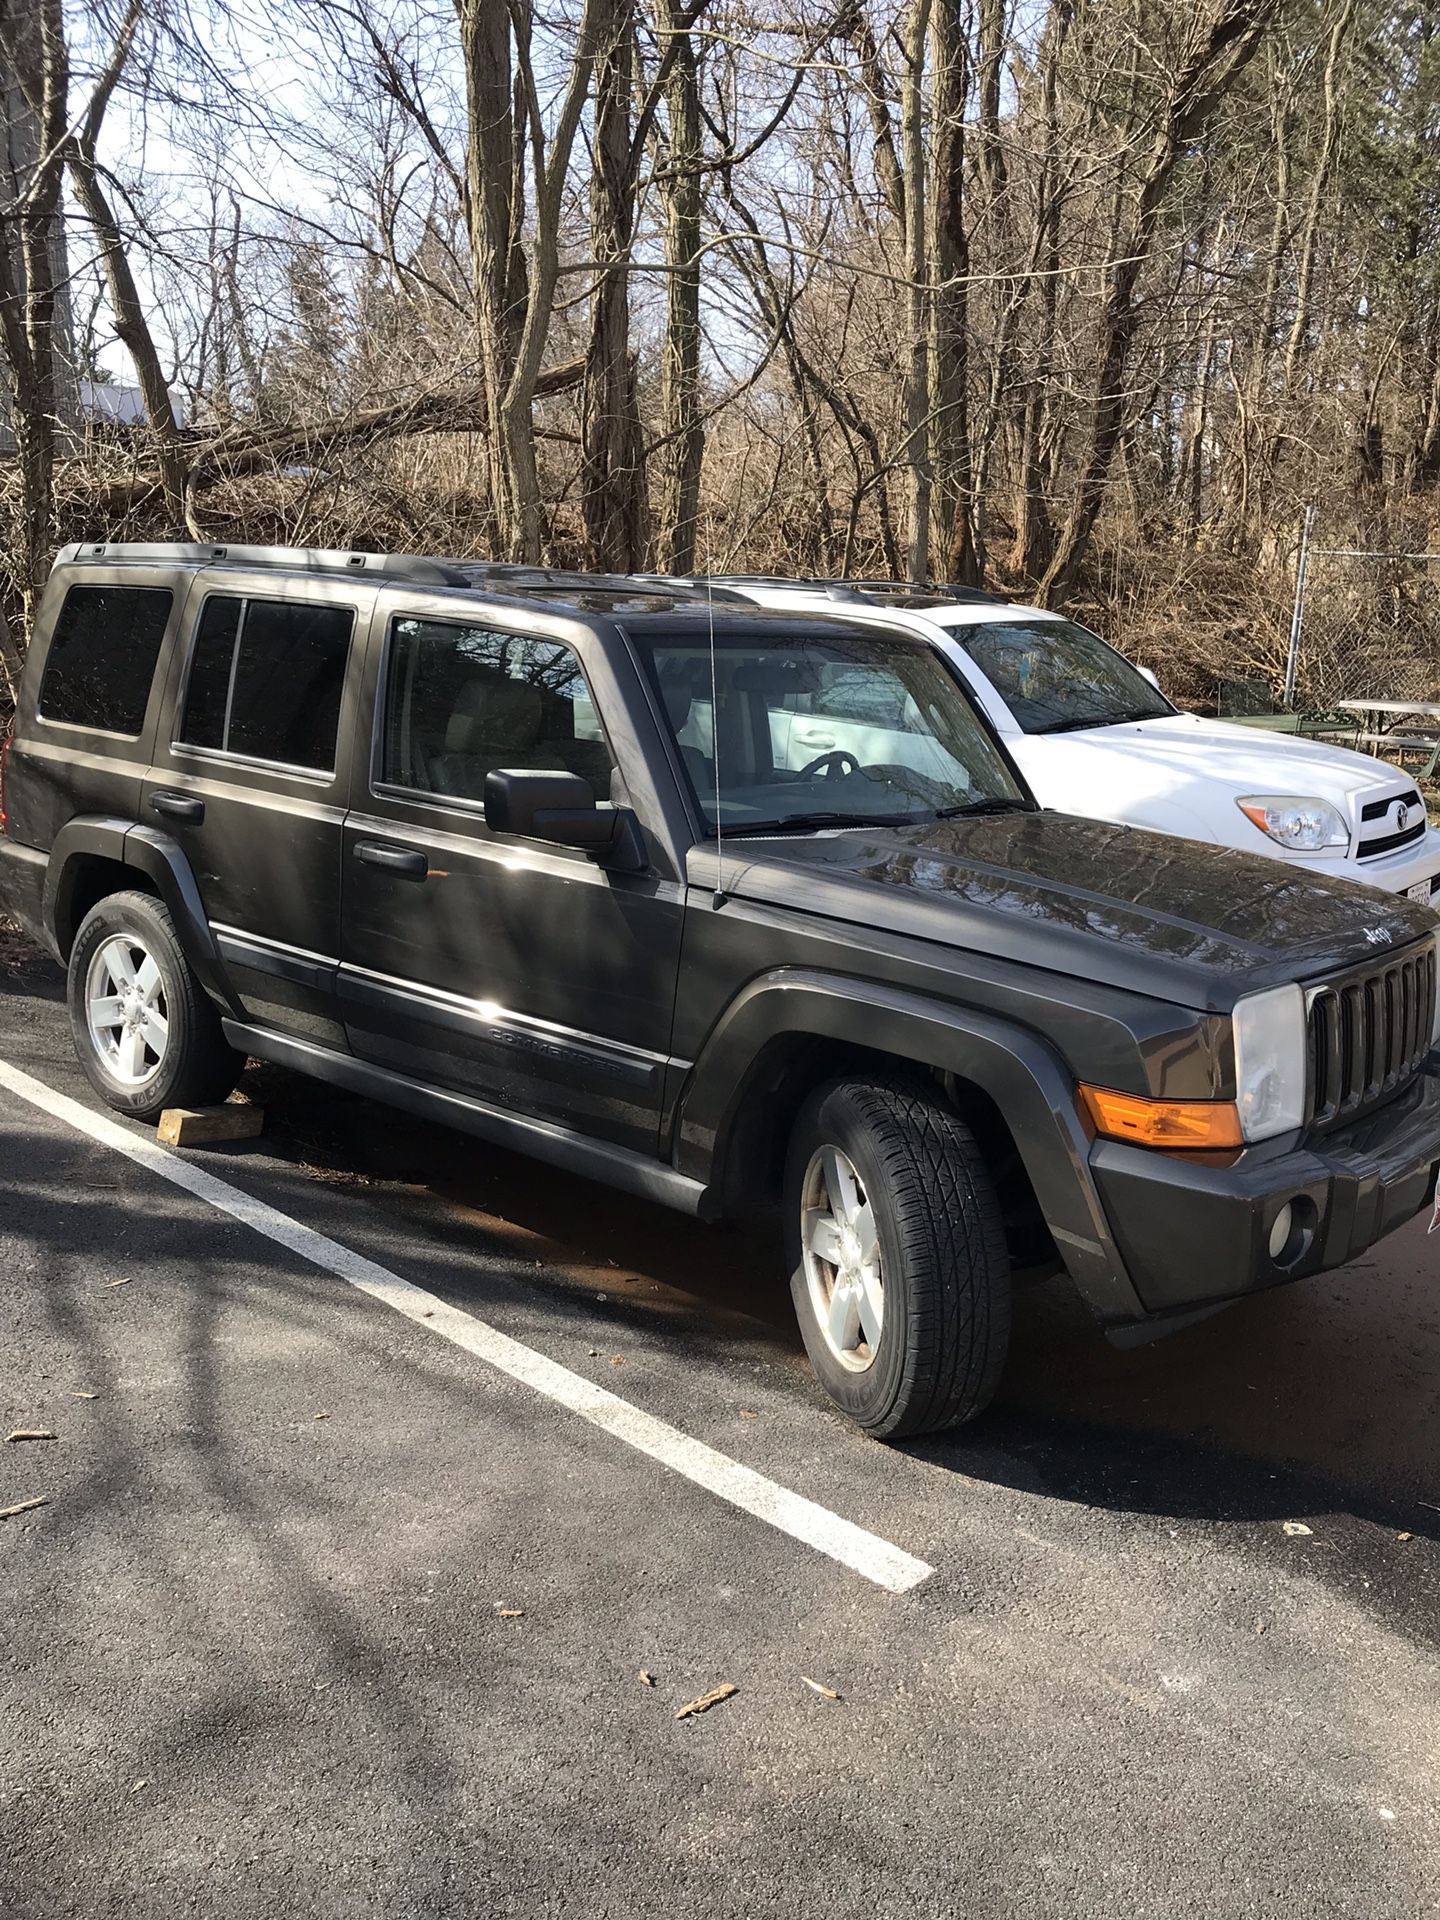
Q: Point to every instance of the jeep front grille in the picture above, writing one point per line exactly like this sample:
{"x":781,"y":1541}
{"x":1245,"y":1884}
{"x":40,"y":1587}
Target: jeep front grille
{"x":1369,"y":1031}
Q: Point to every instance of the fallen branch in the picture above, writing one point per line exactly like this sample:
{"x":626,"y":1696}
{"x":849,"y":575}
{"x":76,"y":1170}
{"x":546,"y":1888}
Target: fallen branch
{"x":243,"y":450}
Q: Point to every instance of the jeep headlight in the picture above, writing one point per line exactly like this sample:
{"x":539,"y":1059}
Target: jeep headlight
{"x":1290,"y":820}
{"x":1270,"y":1061}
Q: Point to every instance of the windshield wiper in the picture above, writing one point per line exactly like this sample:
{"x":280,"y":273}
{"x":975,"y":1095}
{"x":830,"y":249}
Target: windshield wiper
{"x":803,"y":822}
{"x":982,"y":806}
{"x":1099,"y":720}
{"x":1075,"y":724}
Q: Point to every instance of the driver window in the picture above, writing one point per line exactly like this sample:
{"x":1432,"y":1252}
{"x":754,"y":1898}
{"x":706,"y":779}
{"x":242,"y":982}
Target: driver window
{"x":465,"y":701}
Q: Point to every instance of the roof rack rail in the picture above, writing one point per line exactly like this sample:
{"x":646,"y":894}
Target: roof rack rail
{"x":845,"y":587}
{"x":402,"y":566}
{"x":419,"y":569}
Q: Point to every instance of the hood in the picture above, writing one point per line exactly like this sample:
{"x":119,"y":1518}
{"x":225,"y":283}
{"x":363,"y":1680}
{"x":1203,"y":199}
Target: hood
{"x":1169,"y":918}
{"x":1182,"y":760}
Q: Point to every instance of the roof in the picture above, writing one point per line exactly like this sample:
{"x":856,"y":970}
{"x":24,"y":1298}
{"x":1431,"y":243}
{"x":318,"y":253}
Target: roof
{"x":633,"y":595}
{"x":640,"y":599}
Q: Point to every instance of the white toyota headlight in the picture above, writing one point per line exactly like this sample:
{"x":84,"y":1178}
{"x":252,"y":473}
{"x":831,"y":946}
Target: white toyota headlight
{"x":1270,"y":1061}
{"x":1304,"y":826}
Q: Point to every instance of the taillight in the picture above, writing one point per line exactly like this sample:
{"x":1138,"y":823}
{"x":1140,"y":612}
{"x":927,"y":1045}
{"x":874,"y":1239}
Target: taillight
{"x":5,"y":746}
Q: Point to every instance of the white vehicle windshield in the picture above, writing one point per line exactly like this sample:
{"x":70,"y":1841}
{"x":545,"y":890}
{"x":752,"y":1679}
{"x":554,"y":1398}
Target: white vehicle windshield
{"x":1057,"y":677}
{"x":859,"y":730}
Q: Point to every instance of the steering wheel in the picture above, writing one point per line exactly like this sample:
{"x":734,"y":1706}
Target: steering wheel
{"x":838,"y":761}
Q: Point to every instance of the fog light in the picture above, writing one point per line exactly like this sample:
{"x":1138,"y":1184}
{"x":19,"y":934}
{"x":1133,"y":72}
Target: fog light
{"x":1280,"y":1232}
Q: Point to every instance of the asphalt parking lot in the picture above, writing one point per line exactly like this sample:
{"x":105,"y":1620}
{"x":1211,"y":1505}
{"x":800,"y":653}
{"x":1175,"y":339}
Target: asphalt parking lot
{"x":331,"y":1613}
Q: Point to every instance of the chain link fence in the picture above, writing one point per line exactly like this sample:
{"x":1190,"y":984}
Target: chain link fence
{"x":1366,"y":626}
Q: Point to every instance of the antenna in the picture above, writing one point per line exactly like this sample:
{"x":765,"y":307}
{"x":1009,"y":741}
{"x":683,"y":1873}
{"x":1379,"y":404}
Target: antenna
{"x":718,"y":898}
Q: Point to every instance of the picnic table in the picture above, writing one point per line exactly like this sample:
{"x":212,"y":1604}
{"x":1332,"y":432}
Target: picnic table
{"x":1381,"y":722}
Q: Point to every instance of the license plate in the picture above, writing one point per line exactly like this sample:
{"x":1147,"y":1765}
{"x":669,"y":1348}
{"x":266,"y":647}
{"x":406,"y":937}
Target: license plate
{"x":1421,"y":891}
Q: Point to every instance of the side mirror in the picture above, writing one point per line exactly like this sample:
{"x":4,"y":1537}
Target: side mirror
{"x":561,"y":808}
{"x":1147,"y":673}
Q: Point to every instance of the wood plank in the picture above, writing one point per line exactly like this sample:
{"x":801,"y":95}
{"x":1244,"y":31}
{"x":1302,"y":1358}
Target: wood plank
{"x":205,"y":1126}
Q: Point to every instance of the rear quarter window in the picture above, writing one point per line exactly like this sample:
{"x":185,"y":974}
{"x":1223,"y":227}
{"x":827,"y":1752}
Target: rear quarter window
{"x":102,"y":657}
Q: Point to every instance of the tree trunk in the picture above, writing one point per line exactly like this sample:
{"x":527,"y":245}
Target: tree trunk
{"x":612,"y":480}
{"x":492,"y":171}
{"x":132,"y":329}
{"x":918,"y":397}
{"x":1194,"y":96}
{"x":1034,"y":528}
{"x":1310,"y":226}
{"x":681,"y":430}
{"x":950,"y":308}
{"x":32,"y":43}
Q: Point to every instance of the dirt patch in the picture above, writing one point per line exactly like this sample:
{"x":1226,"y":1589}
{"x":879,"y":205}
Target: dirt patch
{"x":17,"y":950}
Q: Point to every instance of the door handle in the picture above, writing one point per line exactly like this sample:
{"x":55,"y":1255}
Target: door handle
{"x":407,"y":861}
{"x":815,"y":739}
{"x":177,"y":806}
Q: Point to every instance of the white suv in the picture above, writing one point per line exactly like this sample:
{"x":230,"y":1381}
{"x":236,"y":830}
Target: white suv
{"x":1094,"y":735}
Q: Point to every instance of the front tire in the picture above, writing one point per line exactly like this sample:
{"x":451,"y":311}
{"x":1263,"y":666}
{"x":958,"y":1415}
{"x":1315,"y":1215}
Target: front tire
{"x":900,"y":1272}
{"x":144,"y":1030}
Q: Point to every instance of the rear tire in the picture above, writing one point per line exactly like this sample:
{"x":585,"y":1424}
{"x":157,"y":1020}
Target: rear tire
{"x":144,"y":1029}
{"x":908,"y":1321}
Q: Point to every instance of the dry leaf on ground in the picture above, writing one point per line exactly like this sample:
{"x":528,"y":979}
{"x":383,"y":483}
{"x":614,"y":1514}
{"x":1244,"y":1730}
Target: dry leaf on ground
{"x":706,"y":1700}
{"x":647,"y":1679}
{"x":825,"y":1693}
{"x":1296,"y":1527}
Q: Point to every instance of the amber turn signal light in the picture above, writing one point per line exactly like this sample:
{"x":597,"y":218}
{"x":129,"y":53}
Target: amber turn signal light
{"x":1162,"y":1123}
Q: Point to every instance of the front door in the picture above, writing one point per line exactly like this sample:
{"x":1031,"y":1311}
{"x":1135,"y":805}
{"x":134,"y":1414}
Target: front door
{"x":520,"y":972}
{"x":248,"y":778}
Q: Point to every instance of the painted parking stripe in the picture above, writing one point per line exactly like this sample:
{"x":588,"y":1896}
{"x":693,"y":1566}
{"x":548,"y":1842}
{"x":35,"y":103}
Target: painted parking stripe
{"x":866,"y":1553}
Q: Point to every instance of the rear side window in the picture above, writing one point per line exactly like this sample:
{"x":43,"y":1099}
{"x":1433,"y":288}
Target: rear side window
{"x":265,"y":681}
{"x":102,"y":657}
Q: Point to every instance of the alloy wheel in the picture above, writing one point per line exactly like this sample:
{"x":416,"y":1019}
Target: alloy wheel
{"x":840,"y":1249}
{"x":126,"y":1014}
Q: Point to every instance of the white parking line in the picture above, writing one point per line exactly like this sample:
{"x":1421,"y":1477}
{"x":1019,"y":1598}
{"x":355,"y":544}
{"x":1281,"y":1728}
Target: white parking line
{"x":866,"y":1553}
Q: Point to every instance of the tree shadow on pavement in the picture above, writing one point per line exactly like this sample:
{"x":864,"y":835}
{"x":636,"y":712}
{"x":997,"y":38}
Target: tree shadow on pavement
{"x":1321,"y":1396}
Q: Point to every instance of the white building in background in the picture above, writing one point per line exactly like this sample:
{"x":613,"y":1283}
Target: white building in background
{"x":111,"y":403}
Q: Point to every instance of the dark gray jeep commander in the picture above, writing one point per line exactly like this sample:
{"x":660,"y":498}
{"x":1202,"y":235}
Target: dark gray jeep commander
{"x":735,"y":909}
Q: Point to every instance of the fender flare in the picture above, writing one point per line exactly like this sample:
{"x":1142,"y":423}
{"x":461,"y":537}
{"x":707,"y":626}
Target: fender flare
{"x":162,"y":860}
{"x":1025,"y":1078}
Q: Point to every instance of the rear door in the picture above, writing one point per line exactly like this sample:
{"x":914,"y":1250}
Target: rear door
{"x":518,"y":971}
{"x":247,"y":778}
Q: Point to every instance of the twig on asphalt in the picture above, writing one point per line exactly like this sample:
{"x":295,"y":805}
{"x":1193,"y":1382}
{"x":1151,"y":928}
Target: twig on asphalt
{"x":706,"y":1700}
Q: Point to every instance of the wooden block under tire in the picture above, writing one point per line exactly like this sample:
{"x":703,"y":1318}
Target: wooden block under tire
{"x":205,"y":1126}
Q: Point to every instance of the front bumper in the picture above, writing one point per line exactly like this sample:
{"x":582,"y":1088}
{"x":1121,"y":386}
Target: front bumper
{"x":1393,"y":873}
{"x":1193,"y":1232}
{"x":22,"y":888}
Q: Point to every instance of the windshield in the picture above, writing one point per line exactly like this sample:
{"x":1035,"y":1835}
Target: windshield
{"x":854,"y":730}
{"x":1056,"y":677}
